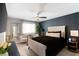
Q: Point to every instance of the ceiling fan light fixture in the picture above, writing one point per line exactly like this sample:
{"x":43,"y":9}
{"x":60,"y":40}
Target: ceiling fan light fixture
{"x":37,"y":17}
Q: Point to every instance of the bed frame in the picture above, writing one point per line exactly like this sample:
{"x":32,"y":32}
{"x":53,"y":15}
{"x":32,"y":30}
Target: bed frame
{"x":39,"y":48}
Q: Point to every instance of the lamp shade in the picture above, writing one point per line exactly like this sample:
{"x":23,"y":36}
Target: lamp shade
{"x":74,"y":33}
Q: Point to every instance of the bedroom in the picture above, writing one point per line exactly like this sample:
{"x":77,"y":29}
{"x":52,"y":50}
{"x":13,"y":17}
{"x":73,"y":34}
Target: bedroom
{"x":43,"y":28}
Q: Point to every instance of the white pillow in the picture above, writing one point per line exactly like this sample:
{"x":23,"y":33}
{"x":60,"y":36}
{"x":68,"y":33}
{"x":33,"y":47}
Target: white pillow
{"x":53,"y":34}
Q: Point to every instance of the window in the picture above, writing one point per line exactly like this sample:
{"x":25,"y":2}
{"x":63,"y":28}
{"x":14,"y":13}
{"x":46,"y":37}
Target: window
{"x":28,"y":28}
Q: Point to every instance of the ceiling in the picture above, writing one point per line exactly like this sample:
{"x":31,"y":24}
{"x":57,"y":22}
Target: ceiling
{"x":28,"y":11}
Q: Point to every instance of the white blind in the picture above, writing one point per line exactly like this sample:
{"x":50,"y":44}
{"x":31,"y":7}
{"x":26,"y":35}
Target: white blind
{"x":28,"y":28}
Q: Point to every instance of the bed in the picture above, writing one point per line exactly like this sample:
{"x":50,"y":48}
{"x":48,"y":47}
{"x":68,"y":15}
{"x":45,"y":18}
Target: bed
{"x":50,"y":44}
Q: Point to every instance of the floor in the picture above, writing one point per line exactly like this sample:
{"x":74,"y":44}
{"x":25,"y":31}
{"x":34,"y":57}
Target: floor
{"x":66,"y":52}
{"x":24,"y":51}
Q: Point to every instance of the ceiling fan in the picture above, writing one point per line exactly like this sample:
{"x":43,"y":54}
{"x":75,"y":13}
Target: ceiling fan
{"x":37,"y":17}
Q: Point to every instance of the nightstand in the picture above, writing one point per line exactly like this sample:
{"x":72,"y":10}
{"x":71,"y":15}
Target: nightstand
{"x":73,"y":44}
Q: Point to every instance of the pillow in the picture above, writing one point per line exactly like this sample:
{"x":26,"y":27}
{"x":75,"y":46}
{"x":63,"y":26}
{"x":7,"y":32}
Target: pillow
{"x":54,"y":34}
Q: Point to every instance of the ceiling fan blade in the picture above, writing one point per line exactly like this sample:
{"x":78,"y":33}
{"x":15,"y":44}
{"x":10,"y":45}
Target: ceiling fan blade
{"x":42,"y":17}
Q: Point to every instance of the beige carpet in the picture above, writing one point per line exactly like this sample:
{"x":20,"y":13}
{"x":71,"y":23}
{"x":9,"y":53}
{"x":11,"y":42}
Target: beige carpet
{"x":66,"y":52}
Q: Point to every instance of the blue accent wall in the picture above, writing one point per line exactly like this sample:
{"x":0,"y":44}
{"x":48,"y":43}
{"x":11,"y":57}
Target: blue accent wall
{"x":71,"y":21}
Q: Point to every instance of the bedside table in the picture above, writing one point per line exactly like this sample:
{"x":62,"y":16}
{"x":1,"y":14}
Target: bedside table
{"x":73,"y":44}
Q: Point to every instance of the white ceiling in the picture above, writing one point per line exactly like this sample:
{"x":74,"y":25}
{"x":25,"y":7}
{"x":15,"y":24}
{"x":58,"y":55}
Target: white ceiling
{"x":28,"y":11}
